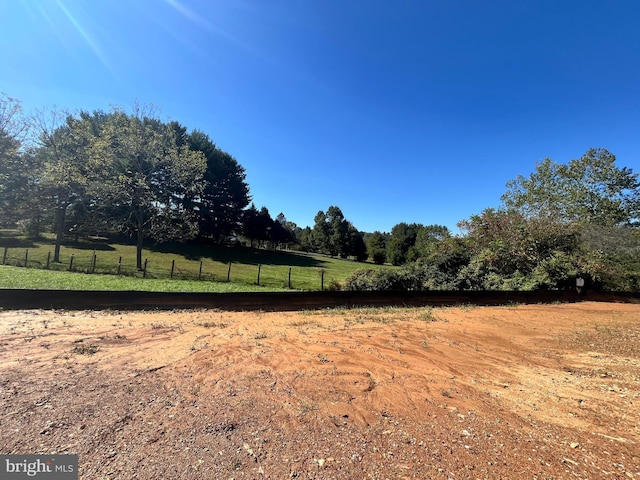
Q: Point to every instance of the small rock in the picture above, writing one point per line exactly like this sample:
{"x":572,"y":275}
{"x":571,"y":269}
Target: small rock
{"x":574,"y":445}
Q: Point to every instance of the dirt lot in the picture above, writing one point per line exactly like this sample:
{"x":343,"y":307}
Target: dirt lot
{"x":539,"y":391}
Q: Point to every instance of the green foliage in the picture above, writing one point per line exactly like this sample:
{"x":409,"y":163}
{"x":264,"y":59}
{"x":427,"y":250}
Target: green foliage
{"x":355,"y":244}
{"x":225,"y":193}
{"x":282,"y":231}
{"x":584,"y":215}
{"x":256,"y":224}
{"x":16,"y":166}
{"x":377,"y":246}
{"x":150,"y":177}
{"x":104,"y":173}
{"x":306,"y":240}
{"x":364,"y":280}
{"x":403,"y":279}
{"x":427,"y":240}
{"x":66,"y":170}
{"x":511,"y":251}
{"x":450,"y":256}
{"x":402,"y":239}
{"x":610,"y":257}
{"x":589,"y":190}
{"x":334,"y":235}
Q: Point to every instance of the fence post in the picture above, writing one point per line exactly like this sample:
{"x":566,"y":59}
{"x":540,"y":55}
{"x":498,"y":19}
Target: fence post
{"x":48,"y":259}
{"x":93,"y":262}
{"x":200,"y":271}
{"x":289,"y":282}
{"x":321,"y":280}
{"x":4,"y":257}
{"x":144,"y":269}
{"x":259,"y":266}
{"x":71,"y":263}
{"x":26,"y":258}
{"x":173,"y":266}
{"x":229,"y":273}
{"x":119,"y":265}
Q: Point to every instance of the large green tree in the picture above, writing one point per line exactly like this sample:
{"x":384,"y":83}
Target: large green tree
{"x":257,"y":224}
{"x":334,"y":235}
{"x":68,"y":170}
{"x":595,"y":198}
{"x":402,"y":239}
{"x":356,"y":246}
{"x":319,"y":239}
{"x":589,"y":190}
{"x":306,"y":239}
{"x":17,"y":165}
{"x":610,"y":256}
{"x":148,"y":177}
{"x":427,"y":240}
{"x":283,"y":232}
{"x":10,"y":171}
{"x":377,"y":246}
{"x":225,"y":193}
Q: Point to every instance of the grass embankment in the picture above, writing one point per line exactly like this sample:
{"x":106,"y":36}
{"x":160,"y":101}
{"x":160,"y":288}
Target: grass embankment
{"x":95,"y":265}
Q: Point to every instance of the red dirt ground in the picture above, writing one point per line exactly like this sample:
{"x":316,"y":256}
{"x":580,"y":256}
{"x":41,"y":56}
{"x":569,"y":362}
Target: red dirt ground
{"x":537,"y":392}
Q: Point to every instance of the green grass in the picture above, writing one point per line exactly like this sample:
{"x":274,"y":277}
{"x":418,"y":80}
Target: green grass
{"x":30,"y":278}
{"x":306,"y":269}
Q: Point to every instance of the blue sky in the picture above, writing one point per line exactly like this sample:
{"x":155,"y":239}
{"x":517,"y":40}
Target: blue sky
{"x":414,"y":111}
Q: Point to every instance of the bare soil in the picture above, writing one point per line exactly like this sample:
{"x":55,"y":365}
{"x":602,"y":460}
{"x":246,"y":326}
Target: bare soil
{"x":526,"y":391}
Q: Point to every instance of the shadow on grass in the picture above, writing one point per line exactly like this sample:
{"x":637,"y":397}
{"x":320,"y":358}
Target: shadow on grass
{"x":17,"y":242}
{"x":89,"y":244}
{"x":14,"y":241}
{"x":246,"y":255}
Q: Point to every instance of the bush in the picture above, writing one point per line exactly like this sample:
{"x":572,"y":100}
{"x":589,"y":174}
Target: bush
{"x":379,"y":257}
{"x":29,"y":228}
{"x":334,"y":285}
{"x":360,"y":280}
{"x":411,"y":277}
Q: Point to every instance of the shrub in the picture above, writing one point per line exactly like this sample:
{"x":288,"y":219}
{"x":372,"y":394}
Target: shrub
{"x":408,"y":278}
{"x":379,"y":257}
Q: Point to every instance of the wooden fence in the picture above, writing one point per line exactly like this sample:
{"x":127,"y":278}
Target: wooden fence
{"x":282,"y":301}
{"x":92,"y":263}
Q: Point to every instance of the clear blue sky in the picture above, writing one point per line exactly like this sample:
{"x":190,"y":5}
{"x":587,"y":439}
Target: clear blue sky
{"x":415,"y":111}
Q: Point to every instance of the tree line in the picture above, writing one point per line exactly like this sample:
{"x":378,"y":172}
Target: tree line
{"x":129,"y":173}
{"x":563,"y":221}
{"x":116,"y":172}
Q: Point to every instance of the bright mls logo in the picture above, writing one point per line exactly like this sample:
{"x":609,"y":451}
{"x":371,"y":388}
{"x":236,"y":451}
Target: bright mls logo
{"x":50,"y":467}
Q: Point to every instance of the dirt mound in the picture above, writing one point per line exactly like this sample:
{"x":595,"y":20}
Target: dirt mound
{"x":542,"y":391}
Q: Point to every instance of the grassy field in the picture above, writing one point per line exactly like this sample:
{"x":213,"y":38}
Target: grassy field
{"x":100,"y":265}
{"x":30,"y":278}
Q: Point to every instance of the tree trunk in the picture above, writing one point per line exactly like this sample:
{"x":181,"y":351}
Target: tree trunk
{"x":60,"y":218}
{"x":140,"y":242}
